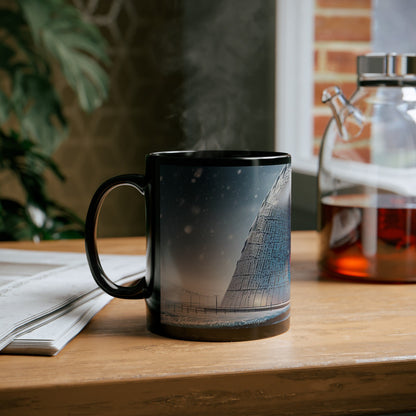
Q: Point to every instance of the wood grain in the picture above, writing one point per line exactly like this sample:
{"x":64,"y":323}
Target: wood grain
{"x":351,"y":349}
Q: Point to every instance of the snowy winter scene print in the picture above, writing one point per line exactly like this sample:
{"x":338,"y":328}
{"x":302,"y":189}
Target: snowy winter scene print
{"x":225,"y":245}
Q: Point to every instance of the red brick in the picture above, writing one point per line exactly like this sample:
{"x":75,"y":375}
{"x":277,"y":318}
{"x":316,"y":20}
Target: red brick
{"x":352,"y":152}
{"x":347,"y":87}
{"x":356,"y":148}
{"x":319,"y":125}
{"x":365,"y":133}
{"x":316,"y":60}
{"x":344,"y":4}
{"x":344,"y":28}
{"x":341,"y":62}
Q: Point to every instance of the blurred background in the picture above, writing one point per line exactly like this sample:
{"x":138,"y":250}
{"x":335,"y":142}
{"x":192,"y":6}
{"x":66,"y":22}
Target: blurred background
{"x":202,"y":75}
{"x":184,"y":74}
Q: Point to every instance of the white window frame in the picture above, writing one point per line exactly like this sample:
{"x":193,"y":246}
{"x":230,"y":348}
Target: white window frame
{"x":294,"y":82}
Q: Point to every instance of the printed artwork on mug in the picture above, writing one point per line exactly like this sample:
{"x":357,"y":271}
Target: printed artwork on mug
{"x":226,"y":245}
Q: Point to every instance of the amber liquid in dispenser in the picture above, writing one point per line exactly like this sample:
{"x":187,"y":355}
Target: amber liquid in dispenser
{"x":369,"y":240}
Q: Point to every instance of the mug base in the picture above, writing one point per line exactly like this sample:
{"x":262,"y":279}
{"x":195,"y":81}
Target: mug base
{"x":224,"y":334}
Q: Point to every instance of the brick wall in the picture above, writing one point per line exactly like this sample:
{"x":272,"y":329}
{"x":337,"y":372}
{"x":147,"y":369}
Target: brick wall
{"x":342,"y":32}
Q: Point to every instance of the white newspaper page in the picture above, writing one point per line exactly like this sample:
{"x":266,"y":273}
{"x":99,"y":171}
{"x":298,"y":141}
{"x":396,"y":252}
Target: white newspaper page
{"x":46,"y":295}
{"x":56,"y":331}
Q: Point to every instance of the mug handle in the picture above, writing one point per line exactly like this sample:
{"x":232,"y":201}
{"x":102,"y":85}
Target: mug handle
{"x":140,"y":289}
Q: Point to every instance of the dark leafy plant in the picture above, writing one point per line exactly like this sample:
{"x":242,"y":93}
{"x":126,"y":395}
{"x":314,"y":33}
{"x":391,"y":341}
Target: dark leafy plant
{"x":38,"y":37}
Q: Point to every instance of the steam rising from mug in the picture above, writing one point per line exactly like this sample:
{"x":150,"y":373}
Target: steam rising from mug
{"x":228,"y":64}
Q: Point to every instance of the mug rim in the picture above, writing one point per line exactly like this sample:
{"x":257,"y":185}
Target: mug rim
{"x":221,"y":157}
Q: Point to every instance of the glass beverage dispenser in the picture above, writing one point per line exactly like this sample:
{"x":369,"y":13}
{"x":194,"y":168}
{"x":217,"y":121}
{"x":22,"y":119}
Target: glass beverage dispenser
{"x":367,"y":174}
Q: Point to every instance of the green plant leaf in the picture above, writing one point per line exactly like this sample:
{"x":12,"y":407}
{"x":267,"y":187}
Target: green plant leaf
{"x":6,"y":55}
{"x":42,"y":119}
{"x":4,"y":107}
{"x":10,"y":20}
{"x":39,"y":217}
{"x":59,"y":30}
{"x":14,"y":222}
{"x":34,"y":33}
{"x":16,"y":37}
{"x":13,"y":24}
{"x":27,"y":164}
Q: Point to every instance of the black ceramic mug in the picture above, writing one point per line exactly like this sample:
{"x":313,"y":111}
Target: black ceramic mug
{"x":218,"y":243}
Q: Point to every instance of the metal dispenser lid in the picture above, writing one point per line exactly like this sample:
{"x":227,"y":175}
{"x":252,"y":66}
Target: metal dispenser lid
{"x":386,"y":68}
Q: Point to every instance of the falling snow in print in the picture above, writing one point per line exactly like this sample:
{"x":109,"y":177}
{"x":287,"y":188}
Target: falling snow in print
{"x":225,"y":244}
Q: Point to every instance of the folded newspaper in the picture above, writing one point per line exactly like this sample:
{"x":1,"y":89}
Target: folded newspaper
{"x":46,"y":298}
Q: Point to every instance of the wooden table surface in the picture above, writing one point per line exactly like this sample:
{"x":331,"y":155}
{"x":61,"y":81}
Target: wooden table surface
{"x":351,"y":349}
